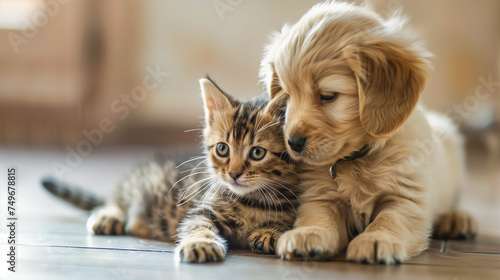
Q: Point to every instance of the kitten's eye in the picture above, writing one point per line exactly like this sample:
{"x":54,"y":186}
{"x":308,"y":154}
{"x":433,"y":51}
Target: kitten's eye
{"x":257,"y":153}
{"x":328,"y":96}
{"x":222,"y":150}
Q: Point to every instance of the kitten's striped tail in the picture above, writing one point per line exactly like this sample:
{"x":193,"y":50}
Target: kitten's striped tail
{"x":72,"y":194}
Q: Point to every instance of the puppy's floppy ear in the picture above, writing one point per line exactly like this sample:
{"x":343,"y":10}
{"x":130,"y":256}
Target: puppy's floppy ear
{"x":390,"y":76}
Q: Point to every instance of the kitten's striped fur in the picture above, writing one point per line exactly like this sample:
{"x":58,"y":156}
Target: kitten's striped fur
{"x":240,"y":199}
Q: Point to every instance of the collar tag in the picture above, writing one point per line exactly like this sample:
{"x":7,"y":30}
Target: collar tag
{"x":333,"y":171}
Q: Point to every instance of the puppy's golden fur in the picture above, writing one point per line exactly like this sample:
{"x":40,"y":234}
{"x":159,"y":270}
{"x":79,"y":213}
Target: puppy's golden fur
{"x":381,"y":206}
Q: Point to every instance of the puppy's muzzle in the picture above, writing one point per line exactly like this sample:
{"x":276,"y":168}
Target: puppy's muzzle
{"x":297,"y":143}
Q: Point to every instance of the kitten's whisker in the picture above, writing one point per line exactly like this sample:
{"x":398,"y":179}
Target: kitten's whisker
{"x":184,"y":178}
{"x":266,"y":126}
{"x":265,"y":200}
{"x":191,"y":193}
{"x":213,"y":185}
{"x":216,"y":184}
{"x":201,"y":162}
{"x":198,"y":171}
{"x":190,"y":160}
{"x":264,"y":188}
{"x":222,"y":191}
{"x":194,"y":129}
{"x":278,"y":182}
{"x":186,"y":199}
{"x":268,"y":202}
{"x":195,"y":168}
{"x":196,"y":183}
{"x":284,"y":196}
{"x":270,"y":192}
{"x":212,"y":191}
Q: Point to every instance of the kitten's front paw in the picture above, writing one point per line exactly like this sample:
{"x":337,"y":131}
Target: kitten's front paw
{"x":106,"y":222}
{"x":376,"y":247}
{"x":455,"y":225}
{"x":263,"y":240}
{"x":309,"y":243}
{"x":200,"y":251}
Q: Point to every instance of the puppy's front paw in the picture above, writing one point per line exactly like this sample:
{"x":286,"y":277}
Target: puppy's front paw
{"x":263,"y":240}
{"x":455,"y":225}
{"x":200,"y":251}
{"x":308,"y":243}
{"x":376,"y":247}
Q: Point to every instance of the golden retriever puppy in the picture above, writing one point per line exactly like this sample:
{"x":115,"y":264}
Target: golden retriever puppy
{"x":384,"y":168}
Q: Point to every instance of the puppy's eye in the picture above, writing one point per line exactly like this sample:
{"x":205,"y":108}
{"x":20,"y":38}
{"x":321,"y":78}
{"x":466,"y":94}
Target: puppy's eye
{"x":329,"y":96}
{"x":222,"y":150}
{"x":257,"y":153}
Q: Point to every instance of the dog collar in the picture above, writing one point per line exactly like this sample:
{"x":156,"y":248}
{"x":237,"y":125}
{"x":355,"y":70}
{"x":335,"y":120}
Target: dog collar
{"x":355,"y":155}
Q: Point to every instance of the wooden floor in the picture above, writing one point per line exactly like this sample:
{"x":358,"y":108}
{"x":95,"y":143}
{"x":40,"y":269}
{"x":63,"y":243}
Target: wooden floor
{"x":53,"y":243}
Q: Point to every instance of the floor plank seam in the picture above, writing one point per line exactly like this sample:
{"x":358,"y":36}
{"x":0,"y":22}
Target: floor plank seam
{"x":97,"y":248}
{"x":448,"y":265}
{"x":473,"y":253}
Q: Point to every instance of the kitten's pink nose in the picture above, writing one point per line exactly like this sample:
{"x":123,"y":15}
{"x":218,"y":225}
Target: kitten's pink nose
{"x":235,"y":174}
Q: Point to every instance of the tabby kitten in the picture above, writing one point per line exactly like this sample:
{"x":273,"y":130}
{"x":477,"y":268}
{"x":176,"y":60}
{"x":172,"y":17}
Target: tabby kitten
{"x":243,"y":192}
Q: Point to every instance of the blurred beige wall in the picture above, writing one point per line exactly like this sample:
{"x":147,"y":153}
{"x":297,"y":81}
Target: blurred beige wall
{"x":224,"y":39}
{"x":137,"y":63}
{"x":190,"y":39}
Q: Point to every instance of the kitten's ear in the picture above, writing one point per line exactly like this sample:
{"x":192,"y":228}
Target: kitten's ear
{"x":214,"y":99}
{"x":277,"y":105}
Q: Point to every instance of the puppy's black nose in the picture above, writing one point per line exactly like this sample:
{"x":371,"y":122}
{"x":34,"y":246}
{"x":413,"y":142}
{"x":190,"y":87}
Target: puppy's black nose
{"x":297,"y":143}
